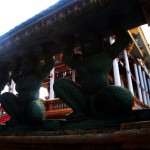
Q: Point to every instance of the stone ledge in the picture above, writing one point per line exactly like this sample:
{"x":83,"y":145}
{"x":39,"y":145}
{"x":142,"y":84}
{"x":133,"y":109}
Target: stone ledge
{"x":127,"y":139}
{"x":136,"y":125}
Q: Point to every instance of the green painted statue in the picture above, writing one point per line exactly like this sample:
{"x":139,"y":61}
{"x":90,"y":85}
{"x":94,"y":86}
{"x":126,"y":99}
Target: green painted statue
{"x":28,"y":73}
{"x":5,"y":74}
{"x":94,"y":96}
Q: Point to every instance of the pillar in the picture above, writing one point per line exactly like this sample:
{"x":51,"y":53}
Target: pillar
{"x":142,"y":84}
{"x":52,"y":76}
{"x":12,"y":87}
{"x":137,"y":81}
{"x":148,"y":82}
{"x":116,"y":72}
{"x":129,"y":79}
{"x":73,"y":75}
{"x":146,"y":88}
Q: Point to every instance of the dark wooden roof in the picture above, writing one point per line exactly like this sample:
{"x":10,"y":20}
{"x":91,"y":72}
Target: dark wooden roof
{"x":69,"y":17}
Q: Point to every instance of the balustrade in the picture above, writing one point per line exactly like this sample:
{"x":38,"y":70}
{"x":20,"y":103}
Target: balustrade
{"x":56,"y":108}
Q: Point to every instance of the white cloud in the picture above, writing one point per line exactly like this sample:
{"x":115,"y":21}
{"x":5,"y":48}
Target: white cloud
{"x":14,"y":12}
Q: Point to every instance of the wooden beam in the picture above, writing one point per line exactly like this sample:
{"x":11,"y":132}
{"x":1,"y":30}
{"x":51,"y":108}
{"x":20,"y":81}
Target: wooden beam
{"x":138,"y":48}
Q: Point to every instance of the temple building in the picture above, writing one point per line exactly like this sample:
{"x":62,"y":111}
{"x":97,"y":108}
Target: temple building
{"x":131,"y":69}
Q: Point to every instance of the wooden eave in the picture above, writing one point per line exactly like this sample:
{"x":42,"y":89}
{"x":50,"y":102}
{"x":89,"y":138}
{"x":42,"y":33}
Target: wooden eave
{"x":69,"y":17}
{"x":144,"y":40}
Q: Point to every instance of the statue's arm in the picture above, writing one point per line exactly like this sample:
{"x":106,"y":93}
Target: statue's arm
{"x":67,"y":46}
{"x":122,"y":37}
{"x":16,"y":68}
{"x":72,"y":61}
{"x":4,"y":76}
{"x":45,"y":66}
{"x":103,"y":60}
{"x":121,"y":43}
{"x":45,"y":58}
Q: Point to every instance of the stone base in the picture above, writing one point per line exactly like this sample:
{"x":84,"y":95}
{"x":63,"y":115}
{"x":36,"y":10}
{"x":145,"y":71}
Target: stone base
{"x":136,"y":125}
{"x":103,"y":122}
{"x":131,"y":131}
{"x":134,"y":139}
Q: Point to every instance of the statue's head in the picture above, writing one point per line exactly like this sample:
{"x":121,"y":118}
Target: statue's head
{"x":49,"y":47}
{"x":28,"y":63}
{"x":91,"y":43}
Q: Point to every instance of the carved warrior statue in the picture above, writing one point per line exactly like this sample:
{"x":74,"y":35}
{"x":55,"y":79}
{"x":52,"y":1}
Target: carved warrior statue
{"x":94,"y":96}
{"x":4,"y":75}
{"x":28,"y":73}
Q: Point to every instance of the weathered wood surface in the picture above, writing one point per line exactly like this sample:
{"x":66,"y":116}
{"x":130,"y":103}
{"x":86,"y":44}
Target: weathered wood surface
{"x":134,"y":135}
{"x":69,"y":17}
{"x":136,"y":125}
{"x":79,"y":139}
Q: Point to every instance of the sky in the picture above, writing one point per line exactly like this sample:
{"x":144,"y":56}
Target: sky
{"x":14,"y":12}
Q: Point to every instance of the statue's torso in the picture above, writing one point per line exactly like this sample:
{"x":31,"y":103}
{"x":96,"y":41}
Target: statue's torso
{"x":28,"y":87}
{"x":94,"y":72}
